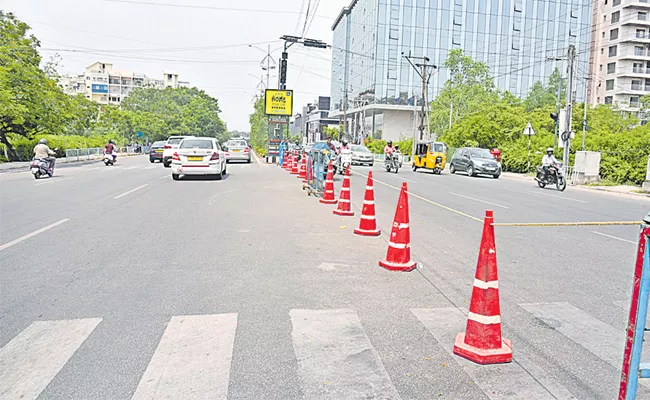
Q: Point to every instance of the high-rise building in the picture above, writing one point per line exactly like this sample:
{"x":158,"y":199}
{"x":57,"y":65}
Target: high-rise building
{"x":105,"y":85}
{"x":515,"y":38}
{"x":620,"y":56}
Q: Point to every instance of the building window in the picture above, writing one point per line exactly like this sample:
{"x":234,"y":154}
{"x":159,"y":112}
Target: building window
{"x":612,"y":51}
{"x":602,"y":51}
{"x":638,"y":50}
{"x":601,"y":67}
{"x":611,"y":68}
{"x":597,"y":100}
{"x":637,"y":68}
{"x":616,"y":16}
{"x":609,"y":84}
{"x":647,"y":85}
{"x":616,"y":3}
{"x":636,"y":84}
{"x":643,"y":16}
{"x":640,"y":33}
{"x":609,"y":100}
{"x":634,"y":101}
{"x":604,"y":18}
{"x":613,"y":34}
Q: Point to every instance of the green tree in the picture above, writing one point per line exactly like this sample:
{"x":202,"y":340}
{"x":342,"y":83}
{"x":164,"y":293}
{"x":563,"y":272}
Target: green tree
{"x":541,"y":95}
{"x":259,"y":127}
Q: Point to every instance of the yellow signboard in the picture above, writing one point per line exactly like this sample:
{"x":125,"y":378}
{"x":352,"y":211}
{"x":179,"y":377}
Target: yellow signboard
{"x":278,"y":102}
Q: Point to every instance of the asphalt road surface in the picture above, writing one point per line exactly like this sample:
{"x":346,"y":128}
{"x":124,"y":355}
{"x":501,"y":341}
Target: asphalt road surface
{"x":119,"y":283}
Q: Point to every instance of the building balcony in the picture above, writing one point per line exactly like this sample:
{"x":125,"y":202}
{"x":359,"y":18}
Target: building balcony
{"x":635,"y":21}
{"x":637,"y":4}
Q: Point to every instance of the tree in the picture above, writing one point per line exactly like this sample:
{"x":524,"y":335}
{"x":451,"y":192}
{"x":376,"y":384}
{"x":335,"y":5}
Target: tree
{"x":541,"y":95}
{"x":259,"y":127}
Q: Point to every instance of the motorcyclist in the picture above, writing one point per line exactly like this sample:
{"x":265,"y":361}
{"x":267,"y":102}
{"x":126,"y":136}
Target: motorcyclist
{"x":330,"y":145}
{"x":43,"y":152}
{"x":283,"y":149}
{"x":547,"y":161}
{"x":111,"y":149}
{"x":344,"y":146}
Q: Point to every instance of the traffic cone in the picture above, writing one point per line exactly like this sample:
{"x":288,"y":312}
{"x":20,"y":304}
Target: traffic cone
{"x":368,"y":222}
{"x":328,"y":195}
{"x":285,"y":160}
{"x":303,"y":168}
{"x":344,"y":198}
{"x":398,"y":257}
{"x":294,"y":166}
{"x":287,"y":166}
{"x":482,"y":342}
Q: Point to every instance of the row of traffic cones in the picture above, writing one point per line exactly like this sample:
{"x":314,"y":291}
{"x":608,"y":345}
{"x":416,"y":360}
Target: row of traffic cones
{"x":482,"y":341}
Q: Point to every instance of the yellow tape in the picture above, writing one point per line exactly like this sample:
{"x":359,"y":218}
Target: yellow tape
{"x":594,"y":223}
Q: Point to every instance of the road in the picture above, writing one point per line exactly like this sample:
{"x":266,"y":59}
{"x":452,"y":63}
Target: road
{"x":119,"y":283}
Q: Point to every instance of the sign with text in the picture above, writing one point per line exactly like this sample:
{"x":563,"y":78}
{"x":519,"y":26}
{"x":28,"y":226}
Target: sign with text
{"x":278,"y":102}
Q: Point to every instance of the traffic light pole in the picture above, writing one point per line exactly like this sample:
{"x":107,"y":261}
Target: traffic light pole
{"x":566,"y":135}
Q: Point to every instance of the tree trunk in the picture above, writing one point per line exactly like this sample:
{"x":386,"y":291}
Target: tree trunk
{"x":11,"y":152}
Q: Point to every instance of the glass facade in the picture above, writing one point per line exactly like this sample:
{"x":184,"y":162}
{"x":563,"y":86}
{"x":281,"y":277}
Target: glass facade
{"x":514,"y":38}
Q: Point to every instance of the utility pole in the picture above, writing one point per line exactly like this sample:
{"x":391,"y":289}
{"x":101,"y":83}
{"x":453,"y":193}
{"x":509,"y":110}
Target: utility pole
{"x":584,"y":117}
{"x":557,"y":123}
{"x":423,"y":73}
{"x":566,"y":135}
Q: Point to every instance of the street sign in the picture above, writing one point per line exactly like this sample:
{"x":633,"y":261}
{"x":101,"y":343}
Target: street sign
{"x":529,"y":131}
{"x":278,"y":102}
{"x":139,"y":134}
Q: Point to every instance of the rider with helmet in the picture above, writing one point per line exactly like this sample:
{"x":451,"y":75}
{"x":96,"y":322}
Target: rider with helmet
{"x":389,"y":149}
{"x":43,"y":152}
{"x":111,"y":149}
{"x":547,"y":161}
{"x":344,"y":146}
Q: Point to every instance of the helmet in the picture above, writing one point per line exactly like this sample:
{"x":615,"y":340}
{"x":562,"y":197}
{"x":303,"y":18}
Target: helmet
{"x":390,"y":142}
{"x":549,"y":150}
{"x":111,"y":141}
{"x":42,"y":141}
{"x":344,"y":142}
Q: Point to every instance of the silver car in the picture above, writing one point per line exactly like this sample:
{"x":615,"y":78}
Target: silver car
{"x":237,"y":149}
{"x":362,"y":156}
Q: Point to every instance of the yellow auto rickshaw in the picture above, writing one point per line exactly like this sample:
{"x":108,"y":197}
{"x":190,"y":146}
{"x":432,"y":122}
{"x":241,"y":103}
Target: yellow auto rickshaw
{"x":430,"y":155}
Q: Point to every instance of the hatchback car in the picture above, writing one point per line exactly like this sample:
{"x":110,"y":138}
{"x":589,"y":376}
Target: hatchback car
{"x":362,"y":156}
{"x":198,"y":156}
{"x":156,"y":151}
{"x":237,"y":150}
{"x":170,"y":146}
{"x":474,"y":161}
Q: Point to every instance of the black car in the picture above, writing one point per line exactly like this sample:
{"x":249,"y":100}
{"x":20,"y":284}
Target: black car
{"x":156,"y":151}
{"x":474,"y":161}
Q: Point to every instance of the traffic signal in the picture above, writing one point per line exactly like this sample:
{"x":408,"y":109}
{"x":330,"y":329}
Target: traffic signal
{"x":283,"y":68}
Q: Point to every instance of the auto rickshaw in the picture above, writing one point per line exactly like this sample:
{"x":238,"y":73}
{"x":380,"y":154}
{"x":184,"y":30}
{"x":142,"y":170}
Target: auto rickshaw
{"x":430,"y":155}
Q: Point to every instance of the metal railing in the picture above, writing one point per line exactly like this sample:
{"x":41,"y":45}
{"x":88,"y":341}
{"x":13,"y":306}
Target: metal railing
{"x":83,"y":154}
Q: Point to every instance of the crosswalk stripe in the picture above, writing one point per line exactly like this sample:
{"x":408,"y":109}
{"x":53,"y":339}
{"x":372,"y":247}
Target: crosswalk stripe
{"x":445,"y":323}
{"x":192,"y":360}
{"x":335,"y":357}
{"x":33,"y":358}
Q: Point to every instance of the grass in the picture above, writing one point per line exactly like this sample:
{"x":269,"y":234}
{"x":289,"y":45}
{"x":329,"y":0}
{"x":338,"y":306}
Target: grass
{"x":603,"y":182}
{"x":639,"y":191}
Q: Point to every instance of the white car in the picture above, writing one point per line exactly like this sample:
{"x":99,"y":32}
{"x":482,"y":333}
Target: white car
{"x":198,"y":156}
{"x":237,"y":150}
{"x":170,"y":146}
{"x":361,"y":155}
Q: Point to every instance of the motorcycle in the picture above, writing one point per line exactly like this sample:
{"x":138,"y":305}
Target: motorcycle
{"x":109,"y":159}
{"x":343,"y":161}
{"x":40,"y":167}
{"x":555,"y":176}
{"x":392,"y":162}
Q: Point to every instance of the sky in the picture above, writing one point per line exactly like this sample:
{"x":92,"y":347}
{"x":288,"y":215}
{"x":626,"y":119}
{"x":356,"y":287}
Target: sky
{"x":205,"y":41}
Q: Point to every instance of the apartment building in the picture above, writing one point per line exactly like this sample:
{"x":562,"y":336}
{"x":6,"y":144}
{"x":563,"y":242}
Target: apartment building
{"x":103,"y":84}
{"x":620,"y":56}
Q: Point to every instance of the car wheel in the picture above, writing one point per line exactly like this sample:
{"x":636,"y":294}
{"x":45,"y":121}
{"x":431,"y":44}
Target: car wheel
{"x":167,"y":164}
{"x":176,"y":177}
{"x":249,"y":161}
{"x":219,"y":176}
{"x":152,"y":161}
{"x":470,"y":170}
{"x":452,"y":169}
{"x":496,"y":176}
{"x":225,"y":169}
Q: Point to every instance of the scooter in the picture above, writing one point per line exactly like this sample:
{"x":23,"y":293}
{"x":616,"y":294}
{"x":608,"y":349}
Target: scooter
{"x":109,"y":159}
{"x":40,"y":167}
{"x":343,"y":161}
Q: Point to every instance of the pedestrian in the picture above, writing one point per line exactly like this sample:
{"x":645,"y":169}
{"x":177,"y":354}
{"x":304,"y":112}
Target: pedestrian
{"x":283,"y":148}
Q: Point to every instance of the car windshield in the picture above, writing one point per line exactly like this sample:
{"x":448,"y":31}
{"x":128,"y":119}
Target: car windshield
{"x":196,"y":144}
{"x":480,"y":153}
{"x":360,"y":149}
{"x":174,"y":140}
{"x":236,"y":143}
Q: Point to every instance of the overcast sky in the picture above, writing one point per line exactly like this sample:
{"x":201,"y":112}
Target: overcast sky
{"x":205,"y":41}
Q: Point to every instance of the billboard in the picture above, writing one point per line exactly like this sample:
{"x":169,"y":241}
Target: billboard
{"x":97,"y":88}
{"x":278,"y":102}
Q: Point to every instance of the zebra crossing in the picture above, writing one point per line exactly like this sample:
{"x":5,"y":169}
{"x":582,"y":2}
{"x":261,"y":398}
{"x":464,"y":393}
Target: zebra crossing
{"x":334,"y":355}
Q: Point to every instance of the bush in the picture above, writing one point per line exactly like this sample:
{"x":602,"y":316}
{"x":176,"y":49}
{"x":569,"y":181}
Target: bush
{"x":261,"y":151}
{"x":25,"y":147}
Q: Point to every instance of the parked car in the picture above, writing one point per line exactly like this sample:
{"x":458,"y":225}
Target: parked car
{"x":198,"y":156}
{"x":170,"y":146}
{"x":237,"y":150}
{"x":156,"y":151}
{"x":474,"y":161}
{"x":362,"y":156}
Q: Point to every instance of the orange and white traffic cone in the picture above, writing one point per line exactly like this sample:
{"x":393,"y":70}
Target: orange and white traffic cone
{"x":328,"y":195}
{"x":398,"y":257}
{"x":303,"y":168}
{"x":294,"y":165}
{"x":482,"y":341}
{"x":344,"y":208}
{"x":368,"y":222}
{"x":285,"y":160}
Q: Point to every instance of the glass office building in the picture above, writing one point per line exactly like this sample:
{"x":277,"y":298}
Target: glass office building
{"x":514,"y":37}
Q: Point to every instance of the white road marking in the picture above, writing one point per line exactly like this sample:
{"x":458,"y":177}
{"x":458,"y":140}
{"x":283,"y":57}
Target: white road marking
{"x":130,"y":191}
{"x":499,"y":381}
{"x":192,"y":360}
{"x":219,"y":194}
{"x":166,"y":176}
{"x":559,"y":197}
{"x":613,"y":237}
{"x":479,"y":200}
{"x":33,"y":358}
{"x":333,"y":350}
{"x":151,"y":167}
{"x":29,"y":235}
{"x":53,"y":180}
{"x":128,"y":168}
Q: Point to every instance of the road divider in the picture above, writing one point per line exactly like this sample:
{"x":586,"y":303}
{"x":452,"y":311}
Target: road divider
{"x":30,"y":235}
{"x":131,"y":191}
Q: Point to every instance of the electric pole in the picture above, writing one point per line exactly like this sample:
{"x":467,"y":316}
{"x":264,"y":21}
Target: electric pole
{"x":584,"y":117}
{"x":423,"y":73}
{"x":566,"y":135}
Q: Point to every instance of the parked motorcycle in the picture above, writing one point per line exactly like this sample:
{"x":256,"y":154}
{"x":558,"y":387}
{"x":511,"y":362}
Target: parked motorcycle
{"x":555,"y":177}
{"x":40,"y":167}
{"x":392,"y":163}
